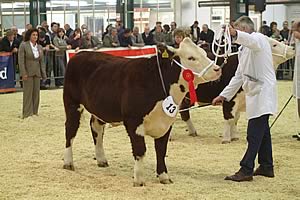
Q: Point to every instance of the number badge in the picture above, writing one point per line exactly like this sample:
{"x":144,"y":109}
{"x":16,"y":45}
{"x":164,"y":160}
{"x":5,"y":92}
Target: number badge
{"x":170,"y":107}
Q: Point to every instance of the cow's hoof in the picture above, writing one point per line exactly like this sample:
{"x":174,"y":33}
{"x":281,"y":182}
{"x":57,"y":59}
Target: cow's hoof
{"x":193,"y":134}
{"x":164,"y":178}
{"x":69,"y":167}
{"x":225,"y":142}
{"x":234,"y":139}
{"x":103,"y":164}
{"x":139,"y":184}
{"x":166,"y":181}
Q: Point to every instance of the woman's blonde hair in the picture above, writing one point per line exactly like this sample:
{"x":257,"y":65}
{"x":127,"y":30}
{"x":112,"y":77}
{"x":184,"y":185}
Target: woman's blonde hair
{"x":243,"y":22}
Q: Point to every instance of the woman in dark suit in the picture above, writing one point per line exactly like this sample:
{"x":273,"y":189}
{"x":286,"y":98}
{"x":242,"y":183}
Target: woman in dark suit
{"x":32,"y":69}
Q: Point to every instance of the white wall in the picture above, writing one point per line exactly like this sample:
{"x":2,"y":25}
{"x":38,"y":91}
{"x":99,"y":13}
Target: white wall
{"x":276,"y":13}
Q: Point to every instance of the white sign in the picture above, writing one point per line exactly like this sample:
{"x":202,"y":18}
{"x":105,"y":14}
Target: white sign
{"x":3,"y":73}
{"x":170,"y":107}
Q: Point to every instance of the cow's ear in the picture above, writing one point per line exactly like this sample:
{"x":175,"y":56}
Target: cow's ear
{"x":166,"y":52}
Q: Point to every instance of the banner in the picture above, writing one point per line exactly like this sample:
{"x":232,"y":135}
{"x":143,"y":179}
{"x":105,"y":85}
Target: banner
{"x":7,"y":83}
{"x":133,"y":52}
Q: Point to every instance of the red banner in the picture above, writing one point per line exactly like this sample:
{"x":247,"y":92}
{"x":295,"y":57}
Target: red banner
{"x":133,"y":52}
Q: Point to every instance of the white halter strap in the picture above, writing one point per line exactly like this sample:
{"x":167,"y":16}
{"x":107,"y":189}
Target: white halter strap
{"x":202,"y":73}
{"x":285,"y":53}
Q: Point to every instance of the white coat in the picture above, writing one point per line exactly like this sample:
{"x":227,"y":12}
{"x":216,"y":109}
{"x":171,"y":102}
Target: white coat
{"x":255,"y":73}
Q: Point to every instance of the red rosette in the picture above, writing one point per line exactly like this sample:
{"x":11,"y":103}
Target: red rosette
{"x":189,"y":77}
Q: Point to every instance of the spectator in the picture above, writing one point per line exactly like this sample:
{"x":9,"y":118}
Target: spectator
{"x":45,"y":25}
{"x":195,"y":32}
{"x":107,"y":31}
{"x":111,"y":39}
{"x":125,"y":38}
{"x":285,"y":31}
{"x":75,"y":39}
{"x":136,"y":38}
{"x":32,"y":68}
{"x":179,"y":35}
{"x":148,"y":36}
{"x":275,"y":33}
{"x":156,"y":25}
{"x":158,"y":35}
{"x":44,"y":41}
{"x":54,"y":29}
{"x":120,"y":28}
{"x":173,"y":26}
{"x":68,"y":29}
{"x":84,"y":29}
{"x":28,"y":27}
{"x":61,"y":45}
{"x":265,"y":29}
{"x":17,"y":36}
{"x":90,"y":42}
{"x":296,"y":37}
{"x":206,"y":35}
{"x":167,"y":35}
{"x":9,"y":43}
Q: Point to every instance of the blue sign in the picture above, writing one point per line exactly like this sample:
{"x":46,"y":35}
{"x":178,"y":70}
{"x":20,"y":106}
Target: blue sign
{"x":6,"y":72}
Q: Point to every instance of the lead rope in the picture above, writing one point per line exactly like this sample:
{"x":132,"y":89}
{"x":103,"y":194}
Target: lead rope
{"x":160,"y":75}
{"x":222,"y":35}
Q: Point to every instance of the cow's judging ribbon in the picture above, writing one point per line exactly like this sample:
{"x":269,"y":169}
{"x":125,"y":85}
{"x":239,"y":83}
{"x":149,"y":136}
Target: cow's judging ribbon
{"x":189,"y":77}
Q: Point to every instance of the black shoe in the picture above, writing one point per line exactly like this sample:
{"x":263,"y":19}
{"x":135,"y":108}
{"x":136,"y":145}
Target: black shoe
{"x":239,"y":177}
{"x":264,"y":172}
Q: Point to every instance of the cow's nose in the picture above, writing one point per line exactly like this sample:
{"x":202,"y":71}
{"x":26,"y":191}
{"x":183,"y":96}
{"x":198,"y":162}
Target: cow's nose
{"x":217,"y":69}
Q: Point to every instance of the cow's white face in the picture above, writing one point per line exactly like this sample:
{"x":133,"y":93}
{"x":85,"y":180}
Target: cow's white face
{"x":280,"y":52}
{"x":195,"y":58}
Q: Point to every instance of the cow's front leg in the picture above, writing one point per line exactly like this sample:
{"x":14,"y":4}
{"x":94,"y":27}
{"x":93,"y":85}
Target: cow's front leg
{"x":138,"y":149}
{"x":234,"y":131}
{"x":161,"y":149}
{"x":185,"y":116}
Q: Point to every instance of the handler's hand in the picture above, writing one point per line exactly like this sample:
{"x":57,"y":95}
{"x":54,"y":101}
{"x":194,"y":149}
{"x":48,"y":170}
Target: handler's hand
{"x":24,"y":77}
{"x":232,"y":31}
{"x":218,"y":100}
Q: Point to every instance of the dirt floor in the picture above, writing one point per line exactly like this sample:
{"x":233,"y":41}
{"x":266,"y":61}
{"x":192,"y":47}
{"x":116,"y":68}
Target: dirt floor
{"x":31,"y":153}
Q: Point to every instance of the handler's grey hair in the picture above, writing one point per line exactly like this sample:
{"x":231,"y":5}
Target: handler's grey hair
{"x":244,"y":22}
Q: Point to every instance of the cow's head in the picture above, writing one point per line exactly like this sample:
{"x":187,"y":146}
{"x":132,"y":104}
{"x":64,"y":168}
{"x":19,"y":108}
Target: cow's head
{"x":280,"y":52}
{"x":194,"y":58}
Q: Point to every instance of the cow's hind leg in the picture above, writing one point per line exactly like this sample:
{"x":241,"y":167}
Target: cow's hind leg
{"x":73,"y":114}
{"x":97,"y":128}
{"x":161,"y":149}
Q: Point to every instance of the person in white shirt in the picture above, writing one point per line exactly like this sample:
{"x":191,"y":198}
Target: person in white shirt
{"x":296,"y":88}
{"x":256,"y":75}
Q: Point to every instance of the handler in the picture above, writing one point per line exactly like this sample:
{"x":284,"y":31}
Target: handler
{"x":255,"y":73}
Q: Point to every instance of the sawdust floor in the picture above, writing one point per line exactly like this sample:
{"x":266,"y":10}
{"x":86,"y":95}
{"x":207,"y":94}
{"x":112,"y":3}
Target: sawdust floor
{"x":31,"y":153}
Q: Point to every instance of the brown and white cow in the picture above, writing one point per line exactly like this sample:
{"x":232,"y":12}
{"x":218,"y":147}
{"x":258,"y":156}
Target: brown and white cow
{"x":116,"y":89}
{"x":231,"y":110}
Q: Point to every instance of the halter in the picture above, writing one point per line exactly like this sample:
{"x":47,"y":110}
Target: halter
{"x":202,"y":73}
{"x":285,"y":53}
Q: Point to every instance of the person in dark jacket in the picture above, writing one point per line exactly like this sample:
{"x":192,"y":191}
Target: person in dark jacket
{"x":195,"y":32}
{"x":265,"y":29}
{"x":68,"y":29}
{"x":148,"y":36}
{"x":9,"y":43}
{"x":207,"y":34}
{"x":90,"y":42}
{"x":75,"y":39}
{"x":125,"y":38}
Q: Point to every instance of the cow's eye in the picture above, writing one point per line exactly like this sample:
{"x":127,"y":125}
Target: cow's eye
{"x":191,"y":58}
{"x":275,"y":45}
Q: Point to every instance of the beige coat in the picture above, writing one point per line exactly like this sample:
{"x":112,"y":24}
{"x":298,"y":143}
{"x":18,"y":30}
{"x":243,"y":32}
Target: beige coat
{"x":29,"y":65}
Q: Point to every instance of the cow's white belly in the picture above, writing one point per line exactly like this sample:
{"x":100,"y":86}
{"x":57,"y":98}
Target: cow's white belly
{"x":156,"y":123}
